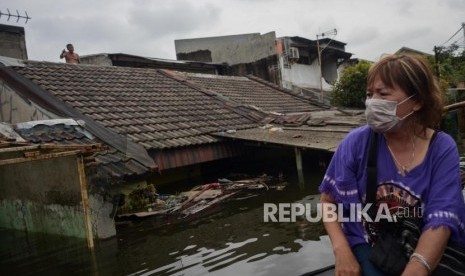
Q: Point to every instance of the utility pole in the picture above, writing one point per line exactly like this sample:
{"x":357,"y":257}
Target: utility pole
{"x":330,"y":32}
{"x":319,"y":65}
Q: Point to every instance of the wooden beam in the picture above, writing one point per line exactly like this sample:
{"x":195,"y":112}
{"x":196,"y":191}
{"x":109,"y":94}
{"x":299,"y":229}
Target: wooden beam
{"x":39,"y":157}
{"x":85,"y":201}
{"x":298,"y":160}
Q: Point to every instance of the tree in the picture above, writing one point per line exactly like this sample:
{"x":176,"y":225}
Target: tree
{"x":350,"y":89}
{"x":451,"y":63}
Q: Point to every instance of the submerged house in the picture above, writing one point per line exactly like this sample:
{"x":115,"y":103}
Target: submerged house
{"x":44,"y":187}
{"x":158,"y":125}
{"x":57,"y":177}
{"x":290,"y":62}
{"x":155,"y":126}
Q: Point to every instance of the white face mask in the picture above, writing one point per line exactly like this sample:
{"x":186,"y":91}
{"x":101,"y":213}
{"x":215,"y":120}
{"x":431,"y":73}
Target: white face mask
{"x":381,"y":115}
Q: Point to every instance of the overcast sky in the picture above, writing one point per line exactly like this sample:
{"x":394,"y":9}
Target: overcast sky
{"x":149,"y":27}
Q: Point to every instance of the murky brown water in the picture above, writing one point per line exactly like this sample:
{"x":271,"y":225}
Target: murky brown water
{"x":231,"y":241}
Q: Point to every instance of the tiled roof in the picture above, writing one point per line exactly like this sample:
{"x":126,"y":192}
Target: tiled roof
{"x":251,"y":91}
{"x":109,"y":162}
{"x":145,"y":105}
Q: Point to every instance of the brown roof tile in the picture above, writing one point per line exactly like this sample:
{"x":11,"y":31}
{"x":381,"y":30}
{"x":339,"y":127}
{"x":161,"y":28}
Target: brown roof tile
{"x":144,"y":104}
{"x":248,"y":91}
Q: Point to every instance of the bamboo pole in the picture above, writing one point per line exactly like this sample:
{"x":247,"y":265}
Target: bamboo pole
{"x":85,"y":201}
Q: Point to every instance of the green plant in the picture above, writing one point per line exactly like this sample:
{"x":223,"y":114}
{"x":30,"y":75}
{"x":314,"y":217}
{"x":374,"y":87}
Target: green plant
{"x":451,"y":64}
{"x":350,"y":89}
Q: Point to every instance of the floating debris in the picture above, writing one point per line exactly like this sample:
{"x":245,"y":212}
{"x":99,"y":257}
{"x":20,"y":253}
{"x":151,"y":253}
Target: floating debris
{"x":198,"y":199}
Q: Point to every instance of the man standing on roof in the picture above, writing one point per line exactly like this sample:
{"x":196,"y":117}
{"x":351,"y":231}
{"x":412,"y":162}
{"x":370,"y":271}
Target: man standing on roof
{"x":70,"y":56}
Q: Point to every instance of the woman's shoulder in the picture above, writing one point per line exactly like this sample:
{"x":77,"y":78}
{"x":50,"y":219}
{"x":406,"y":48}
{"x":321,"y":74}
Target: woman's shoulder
{"x":359,"y":133}
{"x":443,"y":144}
{"x":356,"y":138}
{"x":444,"y":139}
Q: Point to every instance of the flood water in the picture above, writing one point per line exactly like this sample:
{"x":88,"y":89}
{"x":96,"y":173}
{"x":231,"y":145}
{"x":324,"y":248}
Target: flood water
{"x":233,"y":240}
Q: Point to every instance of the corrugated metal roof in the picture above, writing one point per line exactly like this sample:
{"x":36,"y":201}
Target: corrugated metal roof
{"x":173,"y":158}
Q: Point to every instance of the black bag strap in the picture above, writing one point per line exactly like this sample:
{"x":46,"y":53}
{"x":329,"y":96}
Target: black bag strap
{"x":435,"y":133}
{"x":372,"y":173}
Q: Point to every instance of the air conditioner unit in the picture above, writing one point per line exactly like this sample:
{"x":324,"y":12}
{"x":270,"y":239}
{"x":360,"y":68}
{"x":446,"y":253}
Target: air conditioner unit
{"x":293,"y":53}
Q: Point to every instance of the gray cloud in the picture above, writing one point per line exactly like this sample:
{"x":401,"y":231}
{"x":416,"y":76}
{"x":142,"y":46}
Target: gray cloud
{"x":172,"y":17}
{"x":149,"y":27}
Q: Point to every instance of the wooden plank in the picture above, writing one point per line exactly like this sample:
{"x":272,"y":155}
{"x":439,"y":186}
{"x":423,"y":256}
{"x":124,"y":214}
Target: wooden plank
{"x":39,"y":157}
{"x":12,"y":149}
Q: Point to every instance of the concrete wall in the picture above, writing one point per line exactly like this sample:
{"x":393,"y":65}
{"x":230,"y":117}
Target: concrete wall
{"x":264,"y":68}
{"x":100,"y":59}
{"x":13,"y":42}
{"x":103,"y":224}
{"x":42,"y":196}
{"x":15,"y":109}
{"x":234,"y":49}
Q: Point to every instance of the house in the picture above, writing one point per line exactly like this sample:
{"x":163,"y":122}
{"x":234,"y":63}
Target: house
{"x":158,"y":124}
{"x":43,"y":187}
{"x":410,"y":51}
{"x":105,"y":170}
{"x":290,"y":62}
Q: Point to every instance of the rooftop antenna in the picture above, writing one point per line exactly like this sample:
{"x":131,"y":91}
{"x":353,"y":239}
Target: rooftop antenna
{"x":17,"y":16}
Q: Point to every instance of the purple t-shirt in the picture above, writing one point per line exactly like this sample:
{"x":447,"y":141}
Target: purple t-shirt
{"x":435,"y":183}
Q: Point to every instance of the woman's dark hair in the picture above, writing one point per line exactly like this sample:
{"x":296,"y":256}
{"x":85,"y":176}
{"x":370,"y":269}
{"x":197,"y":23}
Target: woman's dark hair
{"x":413,"y":75}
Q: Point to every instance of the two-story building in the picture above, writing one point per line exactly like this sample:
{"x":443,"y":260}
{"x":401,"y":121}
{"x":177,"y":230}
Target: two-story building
{"x":291,"y":62}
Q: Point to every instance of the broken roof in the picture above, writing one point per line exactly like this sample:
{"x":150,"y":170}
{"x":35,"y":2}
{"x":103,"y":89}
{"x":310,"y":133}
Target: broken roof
{"x":322,"y":130}
{"x":68,"y":132}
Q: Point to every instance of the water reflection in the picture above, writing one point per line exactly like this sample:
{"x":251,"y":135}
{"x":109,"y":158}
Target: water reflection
{"x":231,"y":241}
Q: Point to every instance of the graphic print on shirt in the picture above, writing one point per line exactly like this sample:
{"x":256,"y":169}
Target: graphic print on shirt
{"x":401,"y":203}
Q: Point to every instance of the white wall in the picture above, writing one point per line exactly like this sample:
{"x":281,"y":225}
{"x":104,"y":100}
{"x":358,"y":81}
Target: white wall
{"x":305,"y":76}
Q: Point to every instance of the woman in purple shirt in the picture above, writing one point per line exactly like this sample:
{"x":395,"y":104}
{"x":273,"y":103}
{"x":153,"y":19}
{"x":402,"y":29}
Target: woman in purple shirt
{"x":416,"y":167}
